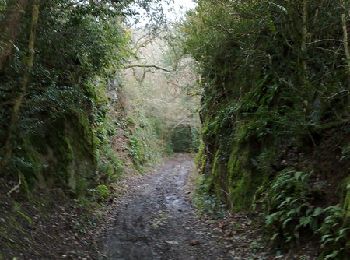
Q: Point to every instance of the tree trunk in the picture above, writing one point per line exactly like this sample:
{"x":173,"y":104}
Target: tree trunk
{"x":10,"y":28}
{"x":346,"y":40}
{"x":304,"y":73}
{"x":304,"y":39}
{"x":29,"y":61}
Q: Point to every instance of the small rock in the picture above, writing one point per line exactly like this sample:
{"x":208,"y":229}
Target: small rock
{"x":172,"y":242}
{"x":194,"y":242}
{"x":232,"y":252}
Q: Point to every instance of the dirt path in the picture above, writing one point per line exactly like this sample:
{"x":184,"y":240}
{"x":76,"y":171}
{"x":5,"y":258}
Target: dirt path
{"x":155,"y":220}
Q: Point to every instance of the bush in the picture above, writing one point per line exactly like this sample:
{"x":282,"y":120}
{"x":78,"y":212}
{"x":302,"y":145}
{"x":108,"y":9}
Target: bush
{"x":290,"y":214}
{"x":289,"y":211}
{"x":335,"y":234}
{"x":102,"y":192}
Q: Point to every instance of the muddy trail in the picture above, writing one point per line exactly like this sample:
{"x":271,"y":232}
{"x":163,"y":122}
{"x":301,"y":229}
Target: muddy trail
{"x":155,"y":220}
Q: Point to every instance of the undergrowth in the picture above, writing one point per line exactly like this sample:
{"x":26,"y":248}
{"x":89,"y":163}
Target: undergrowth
{"x":205,"y":202}
{"x":292,"y":218}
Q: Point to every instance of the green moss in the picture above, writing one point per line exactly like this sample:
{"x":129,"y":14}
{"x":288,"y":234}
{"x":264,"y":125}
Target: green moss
{"x":240,"y":165}
{"x":200,"y":159}
{"x":237,"y":179}
{"x":69,"y":163}
{"x":219,"y":176}
{"x":28,"y":166}
{"x":241,"y":186}
{"x":203,"y":199}
{"x":347,"y":198}
{"x":69,"y":156}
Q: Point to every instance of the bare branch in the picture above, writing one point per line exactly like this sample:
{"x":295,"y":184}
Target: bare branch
{"x":146,"y":66}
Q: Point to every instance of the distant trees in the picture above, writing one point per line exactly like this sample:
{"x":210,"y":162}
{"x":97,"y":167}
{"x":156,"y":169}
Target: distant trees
{"x":155,"y":85}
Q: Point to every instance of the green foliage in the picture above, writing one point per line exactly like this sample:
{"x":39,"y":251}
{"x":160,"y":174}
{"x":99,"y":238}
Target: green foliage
{"x":102,"y":192}
{"x":147,"y":140}
{"x":291,"y":215}
{"x":136,"y":151}
{"x":182,"y":139}
{"x":289,"y":208}
{"x":200,"y":159}
{"x":109,"y":167}
{"x":345,"y":153}
{"x":243,"y":178}
{"x":335,"y":234}
{"x":205,"y":202}
{"x":196,"y":139}
{"x":346,"y":202}
{"x":63,"y":131}
{"x":273,"y":77}
{"x":3,"y":4}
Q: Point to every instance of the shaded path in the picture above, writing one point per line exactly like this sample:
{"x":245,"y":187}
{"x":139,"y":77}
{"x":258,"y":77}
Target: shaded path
{"x":156,"y":220}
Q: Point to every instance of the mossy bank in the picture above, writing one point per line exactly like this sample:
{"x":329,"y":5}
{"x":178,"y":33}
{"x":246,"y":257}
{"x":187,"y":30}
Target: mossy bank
{"x":275,"y":108}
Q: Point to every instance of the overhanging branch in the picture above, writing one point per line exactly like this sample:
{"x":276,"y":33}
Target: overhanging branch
{"x":146,"y":66}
